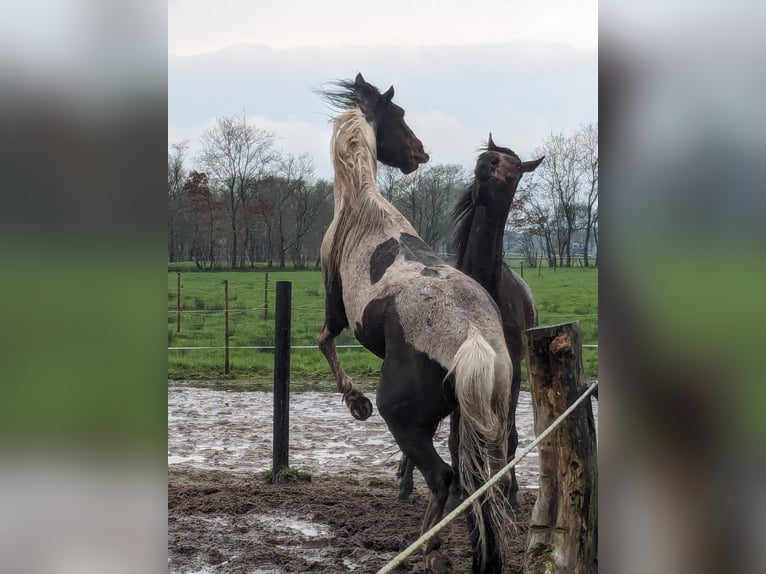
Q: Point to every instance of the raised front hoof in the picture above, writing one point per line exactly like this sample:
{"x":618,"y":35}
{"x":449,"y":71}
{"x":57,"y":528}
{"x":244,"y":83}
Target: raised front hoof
{"x":437,"y":563}
{"x":359,"y":405}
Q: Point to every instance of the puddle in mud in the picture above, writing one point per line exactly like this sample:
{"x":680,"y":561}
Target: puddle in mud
{"x":232,"y":430}
{"x":292,"y":525}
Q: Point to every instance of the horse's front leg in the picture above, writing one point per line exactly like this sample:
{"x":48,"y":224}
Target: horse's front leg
{"x":359,"y":405}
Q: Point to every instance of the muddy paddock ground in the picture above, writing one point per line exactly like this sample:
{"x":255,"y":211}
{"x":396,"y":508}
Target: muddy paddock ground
{"x":235,"y":523}
{"x":223,"y":517}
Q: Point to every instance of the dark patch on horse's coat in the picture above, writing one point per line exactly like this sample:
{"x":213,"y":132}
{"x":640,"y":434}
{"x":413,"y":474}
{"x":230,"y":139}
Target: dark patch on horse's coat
{"x":371,"y":331}
{"x":405,"y":370}
{"x":382,"y":258}
{"x":335,"y":311}
{"x":430,"y":272}
{"x":381,"y":332}
{"x":415,"y":249}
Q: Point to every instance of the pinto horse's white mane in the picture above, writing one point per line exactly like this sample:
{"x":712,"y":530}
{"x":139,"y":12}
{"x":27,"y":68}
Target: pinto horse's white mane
{"x":354,"y":157}
{"x":360,"y":209}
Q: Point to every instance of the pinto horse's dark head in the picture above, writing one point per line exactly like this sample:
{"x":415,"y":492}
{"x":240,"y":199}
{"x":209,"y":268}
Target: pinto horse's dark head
{"x":397,"y":145}
{"x":497,"y":174}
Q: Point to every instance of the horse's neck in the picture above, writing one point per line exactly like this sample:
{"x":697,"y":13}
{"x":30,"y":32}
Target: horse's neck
{"x":354,"y":159}
{"x":358,"y":201}
{"x":482,"y":257}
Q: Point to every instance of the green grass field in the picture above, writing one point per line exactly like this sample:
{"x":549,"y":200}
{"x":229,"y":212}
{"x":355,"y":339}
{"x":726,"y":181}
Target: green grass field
{"x":562,"y":296}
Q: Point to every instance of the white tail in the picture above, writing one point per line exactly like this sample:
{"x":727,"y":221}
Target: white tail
{"x":482,"y":388}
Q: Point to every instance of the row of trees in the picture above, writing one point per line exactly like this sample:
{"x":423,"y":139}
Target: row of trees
{"x":247,"y":202}
{"x":556,"y":206}
{"x":554,"y":213}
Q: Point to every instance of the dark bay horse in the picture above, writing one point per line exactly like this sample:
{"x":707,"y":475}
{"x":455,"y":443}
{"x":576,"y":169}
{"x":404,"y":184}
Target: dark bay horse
{"x":438,"y":331}
{"x":479,"y":219}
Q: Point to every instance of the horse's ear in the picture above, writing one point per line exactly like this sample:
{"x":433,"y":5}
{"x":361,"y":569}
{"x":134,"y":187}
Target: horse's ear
{"x":389,"y":95}
{"x":359,"y":81}
{"x":490,"y":144}
{"x":529,"y":166}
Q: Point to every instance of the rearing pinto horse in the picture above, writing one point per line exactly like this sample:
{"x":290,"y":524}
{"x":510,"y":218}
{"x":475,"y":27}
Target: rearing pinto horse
{"x":480,"y":218}
{"x":438,"y":331}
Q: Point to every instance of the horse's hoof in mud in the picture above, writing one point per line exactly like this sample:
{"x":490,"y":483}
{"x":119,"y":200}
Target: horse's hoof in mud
{"x":403,"y":498}
{"x":359,"y":405}
{"x":437,"y":563}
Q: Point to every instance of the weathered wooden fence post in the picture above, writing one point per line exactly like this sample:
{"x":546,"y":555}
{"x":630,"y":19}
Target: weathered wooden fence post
{"x":282,"y":376}
{"x":226,"y":326}
{"x":563,"y":529}
{"x":178,"y":303}
{"x":522,"y":269}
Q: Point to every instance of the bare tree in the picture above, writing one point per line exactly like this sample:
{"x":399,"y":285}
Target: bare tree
{"x":306,"y":201}
{"x":296,"y":174}
{"x":391,"y":182}
{"x":526,"y":243}
{"x":426,"y":198}
{"x":203,"y":212}
{"x":556,"y":189}
{"x":236,"y":157}
{"x":595,"y":233}
{"x":176,"y":177}
{"x":537,"y":217}
{"x":587,"y":143}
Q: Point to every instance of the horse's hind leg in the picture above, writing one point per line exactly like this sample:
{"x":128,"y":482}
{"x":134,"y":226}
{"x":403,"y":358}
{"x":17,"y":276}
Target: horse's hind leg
{"x":513,"y":434}
{"x":417,"y":445}
{"x":455,"y":491}
{"x":438,"y":476}
{"x":359,"y":405}
{"x":404,"y":474}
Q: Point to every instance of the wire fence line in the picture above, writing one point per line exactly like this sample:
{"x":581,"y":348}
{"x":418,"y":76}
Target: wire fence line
{"x":321,"y":310}
{"x":426,"y":536}
{"x":267,"y":347}
{"x":251,"y":323}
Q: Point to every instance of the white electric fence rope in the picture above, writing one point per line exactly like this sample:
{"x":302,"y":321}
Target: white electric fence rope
{"x":398,"y":560}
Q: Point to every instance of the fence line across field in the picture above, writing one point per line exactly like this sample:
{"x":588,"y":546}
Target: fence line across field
{"x":321,"y":310}
{"x":266,"y":347}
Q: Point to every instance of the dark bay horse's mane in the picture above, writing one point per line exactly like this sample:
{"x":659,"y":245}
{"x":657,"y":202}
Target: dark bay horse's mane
{"x":462,"y":214}
{"x":462,"y":217}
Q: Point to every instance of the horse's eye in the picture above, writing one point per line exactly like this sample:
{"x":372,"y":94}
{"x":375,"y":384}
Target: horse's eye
{"x":494,"y":161}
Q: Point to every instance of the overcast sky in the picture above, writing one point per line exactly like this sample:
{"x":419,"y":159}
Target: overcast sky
{"x":521,"y":69}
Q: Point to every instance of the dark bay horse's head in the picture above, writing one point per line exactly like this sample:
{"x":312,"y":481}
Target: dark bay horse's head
{"x":397,"y":145}
{"x":497,"y":174}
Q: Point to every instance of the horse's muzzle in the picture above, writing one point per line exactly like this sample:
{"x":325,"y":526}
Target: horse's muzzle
{"x":420,"y":156}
